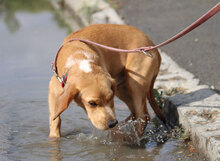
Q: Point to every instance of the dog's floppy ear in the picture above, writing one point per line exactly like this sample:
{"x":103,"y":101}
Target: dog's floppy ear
{"x":65,"y":98}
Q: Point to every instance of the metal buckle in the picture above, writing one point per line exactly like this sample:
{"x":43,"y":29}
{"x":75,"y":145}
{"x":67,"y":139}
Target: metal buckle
{"x":147,"y":53}
{"x":59,"y":79}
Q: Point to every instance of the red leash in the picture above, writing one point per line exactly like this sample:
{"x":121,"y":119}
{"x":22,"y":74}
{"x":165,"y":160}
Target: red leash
{"x":146,"y":50}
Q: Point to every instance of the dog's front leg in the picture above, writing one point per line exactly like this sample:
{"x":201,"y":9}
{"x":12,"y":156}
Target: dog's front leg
{"x":54,"y":91}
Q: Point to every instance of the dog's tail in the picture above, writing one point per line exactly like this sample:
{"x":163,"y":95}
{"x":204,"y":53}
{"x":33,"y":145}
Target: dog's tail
{"x":153,"y":103}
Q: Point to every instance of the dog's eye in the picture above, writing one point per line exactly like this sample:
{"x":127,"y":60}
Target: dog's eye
{"x":92,"y":103}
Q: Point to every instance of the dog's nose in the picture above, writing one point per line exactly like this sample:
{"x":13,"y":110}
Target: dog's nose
{"x":112,"y":123}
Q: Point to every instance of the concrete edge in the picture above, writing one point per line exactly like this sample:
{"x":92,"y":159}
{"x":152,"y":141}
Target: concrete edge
{"x":199,"y":102}
{"x":199,"y":113}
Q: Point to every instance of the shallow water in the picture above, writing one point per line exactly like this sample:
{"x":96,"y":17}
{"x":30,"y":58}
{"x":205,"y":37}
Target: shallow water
{"x":30,"y":34}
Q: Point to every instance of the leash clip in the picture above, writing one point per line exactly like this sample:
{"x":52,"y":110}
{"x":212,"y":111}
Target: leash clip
{"x":62,"y":79}
{"x":147,"y":53}
{"x":59,"y":79}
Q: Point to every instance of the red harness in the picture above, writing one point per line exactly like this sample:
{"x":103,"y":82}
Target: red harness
{"x":145,"y":50}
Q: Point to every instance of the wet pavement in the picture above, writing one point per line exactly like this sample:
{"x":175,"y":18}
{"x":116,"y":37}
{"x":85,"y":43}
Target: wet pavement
{"x":31,"y":32}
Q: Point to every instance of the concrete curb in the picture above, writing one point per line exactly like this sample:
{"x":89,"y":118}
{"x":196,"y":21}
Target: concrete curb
{"x":198,"y":111}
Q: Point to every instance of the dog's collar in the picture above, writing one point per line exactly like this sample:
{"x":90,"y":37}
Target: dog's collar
{"x":62,"y":79}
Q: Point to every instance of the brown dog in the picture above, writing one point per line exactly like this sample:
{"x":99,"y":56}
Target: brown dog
{"x":95,"y":75}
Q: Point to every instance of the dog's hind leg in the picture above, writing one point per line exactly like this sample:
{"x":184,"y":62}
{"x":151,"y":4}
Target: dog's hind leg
{"x":133,"y":93}
{"x":139,"y":72}
{"x":138,"y":98}
{"x":54,"y":91}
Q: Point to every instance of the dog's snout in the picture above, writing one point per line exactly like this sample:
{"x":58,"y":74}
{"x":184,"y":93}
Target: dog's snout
{"x":112,"y":123}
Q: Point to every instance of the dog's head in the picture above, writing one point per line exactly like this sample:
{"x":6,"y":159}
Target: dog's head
{"x":94,"y":92}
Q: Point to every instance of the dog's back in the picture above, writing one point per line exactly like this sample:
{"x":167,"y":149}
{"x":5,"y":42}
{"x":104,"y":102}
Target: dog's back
{"x":117,"y":36}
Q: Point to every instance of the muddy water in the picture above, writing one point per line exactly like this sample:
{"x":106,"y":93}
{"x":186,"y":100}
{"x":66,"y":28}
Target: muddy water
{"x":30,"y":34}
